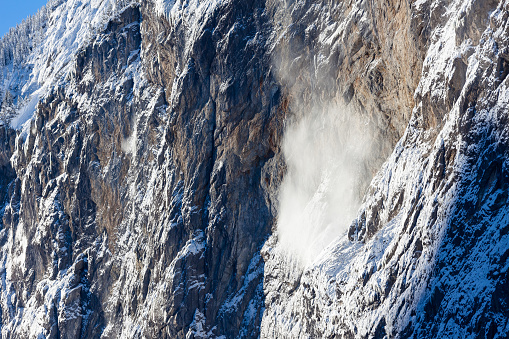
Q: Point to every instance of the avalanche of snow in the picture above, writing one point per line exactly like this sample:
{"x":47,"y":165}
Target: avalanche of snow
{"x":349,"y":289}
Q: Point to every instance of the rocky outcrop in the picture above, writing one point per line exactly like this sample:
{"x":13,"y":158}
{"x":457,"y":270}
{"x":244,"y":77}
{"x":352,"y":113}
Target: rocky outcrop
{"x":149,"y":203}
{"x":62,"y":206}
{"x":7,"y":174}
{"x":422,"y":258}
{"x":142,"y":198}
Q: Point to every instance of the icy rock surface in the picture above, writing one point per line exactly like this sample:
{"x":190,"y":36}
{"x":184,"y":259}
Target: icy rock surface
{"x":140,"y":194}
{"x":64,"y":26}
{"x":137,"y":207}
{"x":427,"y":255}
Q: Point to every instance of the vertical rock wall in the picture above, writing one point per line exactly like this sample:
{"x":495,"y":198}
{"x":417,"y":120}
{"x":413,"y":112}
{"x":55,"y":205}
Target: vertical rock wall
{"x":138,"y":199}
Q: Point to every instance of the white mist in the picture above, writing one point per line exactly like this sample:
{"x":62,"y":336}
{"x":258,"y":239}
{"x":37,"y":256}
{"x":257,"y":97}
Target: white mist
{"x":325,"y":152}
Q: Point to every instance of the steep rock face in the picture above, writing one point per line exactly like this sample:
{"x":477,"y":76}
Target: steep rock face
{"x":44,"y":47}
{"x":63,"y":204}
{"x":364,"y":55}
{"x":7,"y":174}
{"x":201,"y":265}
{"x":359,"y":57}
{"x":427,"y":255}
{"x":140,"y":194}
{"x":141,"y":185}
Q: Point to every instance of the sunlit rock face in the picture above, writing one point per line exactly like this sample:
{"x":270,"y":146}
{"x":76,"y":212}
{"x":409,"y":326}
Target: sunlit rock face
{"x":426,"y":255}
{"x":196,"y":169}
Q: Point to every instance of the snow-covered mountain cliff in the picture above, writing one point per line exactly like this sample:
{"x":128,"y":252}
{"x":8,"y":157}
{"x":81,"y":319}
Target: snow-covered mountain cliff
{"x":274,"y":169}
{"x":427,"y":255}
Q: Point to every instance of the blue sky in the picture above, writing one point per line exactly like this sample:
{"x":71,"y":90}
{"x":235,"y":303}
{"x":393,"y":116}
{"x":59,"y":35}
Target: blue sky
{"x":13,"y":11}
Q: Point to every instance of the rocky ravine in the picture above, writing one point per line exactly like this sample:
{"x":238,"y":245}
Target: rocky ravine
{"x":142,"y":197}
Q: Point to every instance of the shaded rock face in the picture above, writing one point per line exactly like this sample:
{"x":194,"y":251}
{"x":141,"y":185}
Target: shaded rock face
{"x":7,"y":174}
{"x":137,"y":201}
{"x":144,"y":185}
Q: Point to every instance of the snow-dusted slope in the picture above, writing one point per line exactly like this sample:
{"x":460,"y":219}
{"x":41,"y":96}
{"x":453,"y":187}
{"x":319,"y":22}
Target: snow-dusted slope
{"x":427,"y":255}
{"x":166,"y":148}
{"x":65,"y":27}
{"x":45,"y":291}
{"x":122,"y":233}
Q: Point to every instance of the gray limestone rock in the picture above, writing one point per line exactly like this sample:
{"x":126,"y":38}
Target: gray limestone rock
{"x":142,"y":198}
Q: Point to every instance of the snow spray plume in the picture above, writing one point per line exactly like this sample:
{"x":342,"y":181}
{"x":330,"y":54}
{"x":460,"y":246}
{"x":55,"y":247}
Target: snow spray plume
{"x":325,"y":152}
{"x":327,"y":147}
